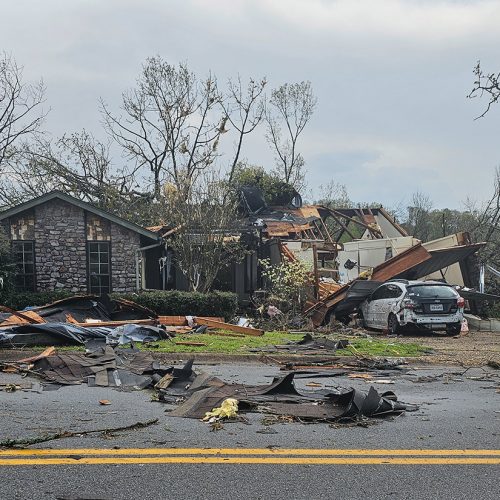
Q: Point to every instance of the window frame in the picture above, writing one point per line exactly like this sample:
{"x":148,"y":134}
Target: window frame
{"x":97,"y":289}
{"x":24,"y":274}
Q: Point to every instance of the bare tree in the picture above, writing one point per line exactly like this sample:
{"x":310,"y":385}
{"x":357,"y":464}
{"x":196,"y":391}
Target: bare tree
{"x":485,"y":83}
{"x":206,"y":236}
{"x":334,"y":195}
{"x":79,"y":165}
{"x":172,"y":123}
{"x":20,"y":107}
{"x":290,"y":109}
{"x":418,"y":222}
{"x":244,"y":110}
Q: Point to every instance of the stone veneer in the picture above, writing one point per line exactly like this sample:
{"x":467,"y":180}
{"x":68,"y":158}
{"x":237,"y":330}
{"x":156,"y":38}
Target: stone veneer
{"x":60,"y":247}
{"x":124,"y":243}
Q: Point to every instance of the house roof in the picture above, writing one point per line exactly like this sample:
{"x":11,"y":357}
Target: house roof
{"x":79,"y":203}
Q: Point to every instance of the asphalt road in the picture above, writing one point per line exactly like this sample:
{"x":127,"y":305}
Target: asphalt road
{"x":399,"y":457}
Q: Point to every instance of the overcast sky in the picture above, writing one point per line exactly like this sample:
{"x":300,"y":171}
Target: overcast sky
{"x":391,"y":77}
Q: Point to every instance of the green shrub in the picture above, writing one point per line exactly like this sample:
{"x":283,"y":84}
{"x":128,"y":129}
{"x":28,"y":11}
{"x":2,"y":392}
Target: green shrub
{"x":168,"y":303}
{"x":21,"y":300}
{"x":177,"y":303}
{"x":492,"y":310}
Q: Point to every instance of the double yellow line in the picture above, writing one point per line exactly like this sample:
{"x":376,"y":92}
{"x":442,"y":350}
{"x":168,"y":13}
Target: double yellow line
{"x":83,"y":456}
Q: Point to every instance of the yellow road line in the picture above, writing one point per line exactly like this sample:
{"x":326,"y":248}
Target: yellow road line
{"x":245,"y":451}
{"x":253,"y":460}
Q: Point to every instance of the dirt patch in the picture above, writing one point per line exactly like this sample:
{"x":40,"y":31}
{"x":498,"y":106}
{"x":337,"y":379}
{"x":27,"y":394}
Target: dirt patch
{"x":473,"y":349}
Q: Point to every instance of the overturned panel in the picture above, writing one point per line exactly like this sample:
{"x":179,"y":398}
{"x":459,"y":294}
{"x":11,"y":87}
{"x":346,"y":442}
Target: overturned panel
{"x":439,"y":259}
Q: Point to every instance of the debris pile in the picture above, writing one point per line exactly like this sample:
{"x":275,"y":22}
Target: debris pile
{"x":85,"y":319}
{"x":282,"y":398}
{"x":202,"y":395}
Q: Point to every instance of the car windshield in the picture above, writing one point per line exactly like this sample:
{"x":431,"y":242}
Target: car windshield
{"x":432,"y":291}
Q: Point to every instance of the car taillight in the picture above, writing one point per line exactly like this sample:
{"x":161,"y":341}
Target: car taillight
{"x":409,"y":304}
{"x":460,"y":302}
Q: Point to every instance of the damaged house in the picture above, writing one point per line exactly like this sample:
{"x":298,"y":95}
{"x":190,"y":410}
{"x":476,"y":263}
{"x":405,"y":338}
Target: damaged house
{"x":60,"y":242}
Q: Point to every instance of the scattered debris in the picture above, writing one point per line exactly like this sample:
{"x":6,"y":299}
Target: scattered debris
{"x":203,"y":396}
{"x":282,"y":398}
{"x":309,"y":344}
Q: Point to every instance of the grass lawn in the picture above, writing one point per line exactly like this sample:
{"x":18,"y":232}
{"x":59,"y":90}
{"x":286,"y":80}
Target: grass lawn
{"x":241,"y":345}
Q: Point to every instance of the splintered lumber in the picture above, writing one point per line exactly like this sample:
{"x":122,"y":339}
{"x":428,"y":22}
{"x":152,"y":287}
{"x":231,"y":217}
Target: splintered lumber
{"x":180,"y":320}
{"x":92,"y":322}
{"x":50,"y":351}
{"x":20,"y":318}
{"x":165,"y":381}
{"x":228,"y":326}
{"x":172,"y":320}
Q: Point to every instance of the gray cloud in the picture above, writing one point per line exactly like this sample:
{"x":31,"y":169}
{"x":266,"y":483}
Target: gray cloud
{"x":391,"y":77}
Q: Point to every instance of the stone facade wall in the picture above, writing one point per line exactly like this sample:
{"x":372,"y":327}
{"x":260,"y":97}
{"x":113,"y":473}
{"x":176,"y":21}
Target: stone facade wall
{"x":60,"y":247}
{"x":61,"y":231}
{"x":124,"y":243}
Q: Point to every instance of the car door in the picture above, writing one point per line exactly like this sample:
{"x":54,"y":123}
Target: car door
{"x":374,"y":305}
{"x":391,"y":295}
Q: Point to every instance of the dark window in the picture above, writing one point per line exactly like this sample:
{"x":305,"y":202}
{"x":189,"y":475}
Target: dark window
{"x":379,"y":293}
{"x":24,"y":255}
{"x":393,"y":292}
{"x":99,"y":267}
{"x":432,"y":292}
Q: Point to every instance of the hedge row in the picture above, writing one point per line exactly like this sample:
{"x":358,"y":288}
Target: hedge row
{"x":176,"y":303}
{"x":20,"y":300}
{"x":171,"y":302}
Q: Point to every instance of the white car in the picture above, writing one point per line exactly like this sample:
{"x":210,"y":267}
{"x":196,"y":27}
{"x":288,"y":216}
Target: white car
{"x":424,"y":304}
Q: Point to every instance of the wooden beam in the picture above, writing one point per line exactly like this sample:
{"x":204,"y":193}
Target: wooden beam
{"x":351,"y":219}
{"x":319,"y":230}
{"x":73,"y":321}
{"x":228,"y":326}
{"x":326,"y":230}
{"x":30,"y":317}
{"x":343,"y":226}
{"x":179,"y":320}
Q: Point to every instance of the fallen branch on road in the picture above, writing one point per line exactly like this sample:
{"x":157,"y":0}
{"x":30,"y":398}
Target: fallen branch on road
{"x":13,"y":443}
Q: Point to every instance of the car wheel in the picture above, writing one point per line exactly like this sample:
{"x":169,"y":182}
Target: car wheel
{"x":361,"y":320}
{"x":453,"y":329}
{"x":393,"y":324}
